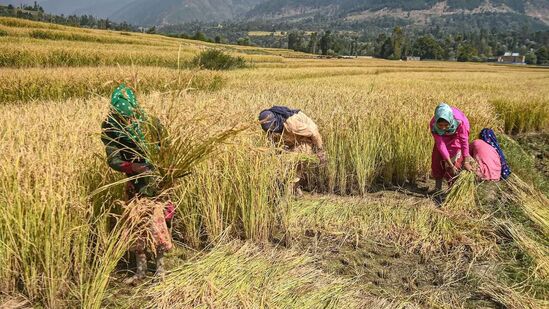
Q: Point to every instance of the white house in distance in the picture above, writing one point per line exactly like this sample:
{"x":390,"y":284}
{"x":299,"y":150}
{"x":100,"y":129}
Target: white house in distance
{"x":512,"y":58}
{"x":413,"y":58}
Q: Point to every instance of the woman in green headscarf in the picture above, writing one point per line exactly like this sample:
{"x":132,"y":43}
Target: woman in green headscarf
{"x":450,"y":129}
{"x":122,"y":134}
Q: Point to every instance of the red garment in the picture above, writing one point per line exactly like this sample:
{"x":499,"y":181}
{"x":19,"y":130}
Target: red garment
{"x":489,"y":163}
{"x":161,"y":233}
{"x":169,"y":211}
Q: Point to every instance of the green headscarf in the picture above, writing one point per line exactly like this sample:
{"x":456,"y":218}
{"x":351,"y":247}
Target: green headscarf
{"x":124,"y":103}
{"x":444,"y":111}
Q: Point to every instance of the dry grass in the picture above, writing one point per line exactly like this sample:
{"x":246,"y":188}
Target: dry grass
{"x":245,"y":276}
{"x":58,"y":84}
{"x":31,"y":44}
{"x":409,"y":223}
{"x":531,"y":201}
{"x":524,"y":114}
{"x":511,"y":297}
{"x":537,"y":250}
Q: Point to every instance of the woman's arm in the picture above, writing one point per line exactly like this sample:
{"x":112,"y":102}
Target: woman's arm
{"x":441,"y":147}
{"x":116,"y":162}
{"x":463,"y":136}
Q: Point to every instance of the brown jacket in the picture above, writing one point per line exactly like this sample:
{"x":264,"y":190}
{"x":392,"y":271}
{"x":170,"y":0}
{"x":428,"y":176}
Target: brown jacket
{"x":301,"y":134}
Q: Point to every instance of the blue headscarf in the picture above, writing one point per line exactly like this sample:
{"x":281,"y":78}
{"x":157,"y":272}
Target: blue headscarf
{"x":444,"y":111}
{"x":272,"y":119}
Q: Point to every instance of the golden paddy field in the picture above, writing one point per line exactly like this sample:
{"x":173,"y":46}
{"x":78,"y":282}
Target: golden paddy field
{"x":366,"y":236}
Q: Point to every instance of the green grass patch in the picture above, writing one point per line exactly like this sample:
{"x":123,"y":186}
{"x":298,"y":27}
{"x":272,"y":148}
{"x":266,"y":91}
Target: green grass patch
{"x":214,"y":59}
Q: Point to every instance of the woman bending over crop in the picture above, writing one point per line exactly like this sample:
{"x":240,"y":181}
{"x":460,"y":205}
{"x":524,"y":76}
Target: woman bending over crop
{"x":295,"y":131}
{"x":450,"y":129}
{"x":122,"y":134}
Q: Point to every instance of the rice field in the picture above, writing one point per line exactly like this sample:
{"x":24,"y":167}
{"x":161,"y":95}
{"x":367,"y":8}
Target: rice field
{"x":366,"y":236}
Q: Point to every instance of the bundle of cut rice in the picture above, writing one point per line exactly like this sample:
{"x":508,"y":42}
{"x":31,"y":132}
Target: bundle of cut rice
{"x":463,"y":193}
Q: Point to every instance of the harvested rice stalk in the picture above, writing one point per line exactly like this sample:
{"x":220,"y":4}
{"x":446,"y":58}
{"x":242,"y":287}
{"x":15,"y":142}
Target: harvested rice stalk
{"x":511,"y":298}
{"x":463,"y":193}
{"x":538,"y":252}
{"x":174,"y":151}
{"x":534,"y":203}
{"x":246,"y":276}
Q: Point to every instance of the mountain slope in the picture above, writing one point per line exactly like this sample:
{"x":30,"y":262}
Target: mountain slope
{"x":147,"y":12}
{"x":99,"y":8}
{"x":412,"y":11}
{"x":535,"y":13}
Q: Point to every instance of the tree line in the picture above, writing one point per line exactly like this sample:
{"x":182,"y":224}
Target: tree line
{"x":36,"y":13}
{"x":480,"y":46}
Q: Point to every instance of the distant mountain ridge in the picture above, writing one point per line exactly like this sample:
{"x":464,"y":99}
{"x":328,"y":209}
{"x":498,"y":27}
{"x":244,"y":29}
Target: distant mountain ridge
{"x":417,"y":11}
{"x":169,"y":12}
{"x":161,"y":12}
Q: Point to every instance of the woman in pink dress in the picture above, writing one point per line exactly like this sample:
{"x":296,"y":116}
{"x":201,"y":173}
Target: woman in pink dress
{"x":450,"y":129}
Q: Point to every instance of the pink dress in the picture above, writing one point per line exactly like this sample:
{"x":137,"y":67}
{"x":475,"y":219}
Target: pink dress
{"x":454,"y":146}
{"x":489,"y":163}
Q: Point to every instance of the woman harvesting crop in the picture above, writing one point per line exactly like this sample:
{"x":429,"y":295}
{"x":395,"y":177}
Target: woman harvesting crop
{"x":296,"y":131}
{"x":450,"y":129}
{"x":126,"y":148}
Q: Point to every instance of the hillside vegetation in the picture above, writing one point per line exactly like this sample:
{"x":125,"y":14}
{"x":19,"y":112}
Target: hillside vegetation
{"x":366,"y":236}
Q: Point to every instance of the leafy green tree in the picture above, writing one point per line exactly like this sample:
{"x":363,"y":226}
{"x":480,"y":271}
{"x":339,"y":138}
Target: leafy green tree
{"x":293,"y":41}
{"x":427,"y":47}
{"x":244,"y":41}
{"x":378,"y":45}
{"x":398,"y":42}
{"x":531,"y":58}
{"x":542,"y":55}
{"x":326,"y":42}
{"x":387,"y":49}
{"x":313,"y":41}
{"x":199,"y":36}
{"x":466,"y":52}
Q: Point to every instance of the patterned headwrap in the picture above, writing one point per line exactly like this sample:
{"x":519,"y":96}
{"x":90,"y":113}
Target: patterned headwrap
{"x":444,"y":111}
{"x":124,"y":102}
